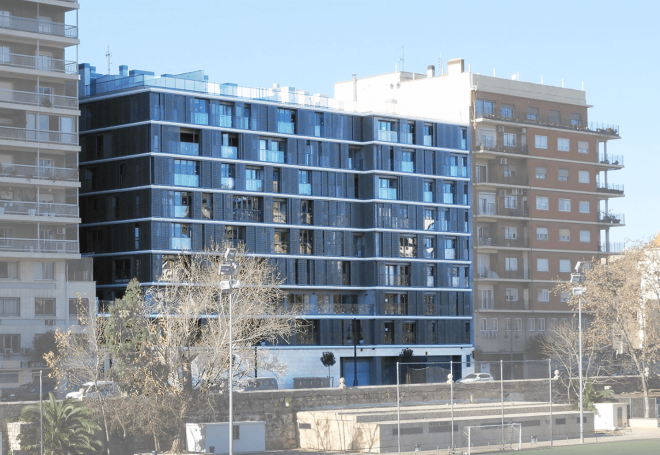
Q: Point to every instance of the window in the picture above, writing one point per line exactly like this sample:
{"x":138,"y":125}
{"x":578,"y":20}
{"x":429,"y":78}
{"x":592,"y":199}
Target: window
{"x":305,"y":182}
{"x":44,"y":307}
{"x":493,"y":324}
{"x":519,"y":325}
{"x":407,"y":161}
{"x":186,"y":173}
{"x":277,"y":187}
{"x":428,"y":135}
{"x":44,"y":270}
{"x":428,"y":191}
{"x":584,"y":206}
{"x":541,"y":233}
{"x":207,"y":206}
{"x":511,"y":294}
{"x":11,"y":342}
{"x":234,"y":235}
{"x":564,"y":205}
{"x":79,"y":309}
{"x":564,"y":235}
{"x":9,"y":270}
{"x":576,"y":119}
{"x":506,"y":110}
{"x":286,"y":121}
{"x":510,"y":202}
{"x":510,"y":233}
{"x":429,"y":247}
{"x":408,"y":247}
{"x":563,"y":144}
{"x":271,"y":151}
{"x":430,"y":276}
{"x":541,"y":324}
{"x":279,"y":211}
{"x":281,"y":242}
{"x":565,"y":265}
{"x":396,"y":304}
{"x":532,"y":113}
{"x":429,"y":305}
{"x":227,"y":176}
{"x":306,"y":212}
{"x":541,"y":265}
{"x":10,"y":306}
{"x":449,"y":191}
{"x":359,"y":246}
{"x":386,"y":131}
{"x":564,"y":297}
{"x":450,"y":248}
{"x":178,"y":204}
{"x":541,"y":203}
{"x":553,"y":324}
{"x":484,"y":324}
{"x":247,"y":208}
{"x":509,"y":140}
{"x":583,"y":176}
{"x":554,"y":117}
{"x":507,"y":324}
{"x":387,"y":188}
{"x":541,"y":142}
{"x":511,"y":263}
{"x":583,"y":147}
{"x":319,"y":123}
{"x":544,"y":295}
{"x":254,"y":179}
{"x":563,"y":175}
{"x":541,"y":172}
{"x":485,"y":108}
{"x":585,"y":236}
{"x":306,"y":239}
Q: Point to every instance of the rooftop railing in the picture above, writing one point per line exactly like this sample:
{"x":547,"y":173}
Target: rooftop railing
{"x":39,"y":99}
{"x":38,"y":246}
{"x":39,"y":62}
{"x":25,"y":24}
{"x":30,"y":135}
{"x":38,"y":172}
{"x":557,"y":122}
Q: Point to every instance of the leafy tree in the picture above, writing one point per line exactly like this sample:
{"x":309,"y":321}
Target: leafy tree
{"x":328,"y":360}
{"x":68,"y":428}
{"x":43,"y":344}
{"x":591,"y":396}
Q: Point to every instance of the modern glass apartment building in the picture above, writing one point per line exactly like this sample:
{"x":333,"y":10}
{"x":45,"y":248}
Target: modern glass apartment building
{"x":366,"y":216}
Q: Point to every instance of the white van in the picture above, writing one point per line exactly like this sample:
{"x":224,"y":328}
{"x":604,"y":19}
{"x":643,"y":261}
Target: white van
{"x":92,"y":390}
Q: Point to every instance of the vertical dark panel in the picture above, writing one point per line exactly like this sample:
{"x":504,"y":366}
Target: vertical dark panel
{"x":292,"y":150}
{"x":206,"y":174}
{"x":197,"y":205}
{"x":207,"y":142}
{"x":272,"y":118}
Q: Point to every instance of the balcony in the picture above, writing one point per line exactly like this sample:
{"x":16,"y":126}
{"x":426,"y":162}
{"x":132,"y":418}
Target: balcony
{"x":407,"y":166}
{"x":254,"y":184}
{"x":186,"y":180}
{"x":200,"y":118}
{"x":28,"y":135}
{"x":611,"y":218}
{"x":227,"y":183}
{"x":387,"y":136}
{"x":38,"y":99}
{"x":247,"y":215}
{"x":38,"y":209}
{"x":428,"y":141}
{"x":229,"y":152}
{"x":243,"y":123}
{"x":271,"y":156}
{"x":305,"y":188}
{"x":406,"y":138}
{"x":567,"y":123}
{"x":610,"y":188}
{"x":458,"y":171}
{"x":225,"y":121}
{"x":492,"y":209}
{"x":487,"y":274}
{"x":39,"y":63}
{"x":612,"y":247}
{"x":504,"y":178}
{"x":387,"y":193}
{"x":23,"y":24}
{"x":180,"y":243}
{"x":491,"y":146}
{"x":394,"y":280}
{"x":502,"y":242}
{"x":345,"y":308}
{"x":615,"y":160}
{"x":189,"y":148}
{"x":38,"y":172}
{"x":286,"y":127}
{"x":14,"y":245}
{"x":427,"y":196}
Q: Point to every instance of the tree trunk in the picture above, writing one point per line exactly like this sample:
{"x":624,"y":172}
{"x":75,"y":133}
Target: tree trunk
{"x":647,"y":403}
{"x":178,"y":443}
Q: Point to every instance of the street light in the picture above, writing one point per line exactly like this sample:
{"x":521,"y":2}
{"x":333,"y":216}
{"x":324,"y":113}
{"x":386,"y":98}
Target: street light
{"x":229,"y":269}
{"x":355,"y":343}
{"x":578,"y":278}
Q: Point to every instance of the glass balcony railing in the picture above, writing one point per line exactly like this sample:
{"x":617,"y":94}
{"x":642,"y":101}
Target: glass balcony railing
{"x":38,"y":99}
{"x":243,"y":123}
{"x":387,"y":193}
{"x":406,"y":138}
{"x":394,"y":280}
{"x":254,"y":184}
{"x":40,"y":63}
{"x":24,"y":24}
{"x":38,"y":209}
{"x":305,"y":188}
{"x":181,"y":211}
{"x":227,"y":183}
{"x":247,"y":215}
{"x":318,"y":131}
{"x":428,"y":141}
{"x":38,"y":246}
{"x":229,"y":152}
{"x":186,"y":180}
{"x":448,"y":198}
{"x":387,"y":136}
{"x":271,"y":156}
{"x":428,"y":196}
{"x":189,"y":148}
{"x":38,"y":172}
{"x":29,"y":135}
{"x":200,"y":118}
{"x":552,"y":121}
{"x":180,"y":243}
{"x":407,"y":166}
{"x":285,"y":127}
{"x":225,"y":121}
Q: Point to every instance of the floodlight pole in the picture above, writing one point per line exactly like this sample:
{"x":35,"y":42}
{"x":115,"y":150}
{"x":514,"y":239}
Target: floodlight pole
{"x":230,"y":266}
{"x":550,"y":376}
{"x":502,"y":399}
{"x":451,"y":398}
{"x":580,"y":366}
{"x":398,"y":410}
{"x":41,"y":410}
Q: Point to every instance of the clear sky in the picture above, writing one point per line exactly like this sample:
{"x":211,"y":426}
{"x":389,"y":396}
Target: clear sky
{"x":610,"y":46}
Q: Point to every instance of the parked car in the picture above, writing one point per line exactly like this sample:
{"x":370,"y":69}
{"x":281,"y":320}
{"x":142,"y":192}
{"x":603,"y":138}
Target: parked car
{"x":92,"y":389}
{"x":256,"y":384}
{"x":476,"y":377}
{"x":27,"y":392}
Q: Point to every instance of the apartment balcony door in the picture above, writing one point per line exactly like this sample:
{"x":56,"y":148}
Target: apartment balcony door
{"x":482,"y":173}
{"x":486,"y":298}
{"x":486,"y":204}
{"x":483,"y":264}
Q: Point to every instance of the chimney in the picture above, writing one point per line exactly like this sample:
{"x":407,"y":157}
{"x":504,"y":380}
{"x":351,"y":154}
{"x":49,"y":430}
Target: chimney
{"x":455,"y":66}
{"x":123,"y":70}
{"x":430,"y":71}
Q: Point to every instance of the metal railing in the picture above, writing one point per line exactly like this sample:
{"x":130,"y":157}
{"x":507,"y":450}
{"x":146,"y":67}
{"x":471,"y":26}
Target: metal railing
{"x":271,"y":156}
{"x":406,"y":138}
{"x":29,"y":135}
{"x":247,"y":215}
{"x":25,"y":24}
{"x":491,"y":146}
{"x":227,"y":151}
{"x":504,"y":177}
{"x":501,"y":241}
{"x":285,"y":127}
{"x":39,"y":99}
{"x":38,"y":246}
{"x":520,"y":274}
{"x":387,"y":136}
{"x":557,"y":122}
{"x":610,"y":217}
{"x":616,"y":160}
{"x":38,"y":62}
{"x":38,"y":209}
{"x":254,"y":184}
{"x":189,"y":148}
{"x":610,"y":187}
{"x":612,"y":247}
{"x":394,"y":280}
{"x":38,"y":172}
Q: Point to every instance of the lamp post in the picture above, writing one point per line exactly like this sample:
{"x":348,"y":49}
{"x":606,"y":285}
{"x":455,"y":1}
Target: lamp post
{"x":353,"y":336}
{"x":229,"y":269}
{"x":578,"y":278}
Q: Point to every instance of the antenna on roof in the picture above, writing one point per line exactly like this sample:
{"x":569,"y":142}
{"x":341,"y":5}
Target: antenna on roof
{"x":402,"y":59}
{"x":108,"y":55}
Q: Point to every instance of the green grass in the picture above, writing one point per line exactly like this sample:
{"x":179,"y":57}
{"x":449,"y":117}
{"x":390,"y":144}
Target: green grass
{"x":648,"y":447}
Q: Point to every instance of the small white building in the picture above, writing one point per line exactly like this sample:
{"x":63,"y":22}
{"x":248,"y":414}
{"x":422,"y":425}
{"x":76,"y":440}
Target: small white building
{"x":611,"y":416}
{"x":214,"y":437}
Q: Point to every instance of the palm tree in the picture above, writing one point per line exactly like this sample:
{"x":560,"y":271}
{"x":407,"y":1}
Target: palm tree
{"x":68,"y":428}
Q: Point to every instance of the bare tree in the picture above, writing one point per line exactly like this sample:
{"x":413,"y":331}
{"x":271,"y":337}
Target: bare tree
{"x":623,"y":298}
